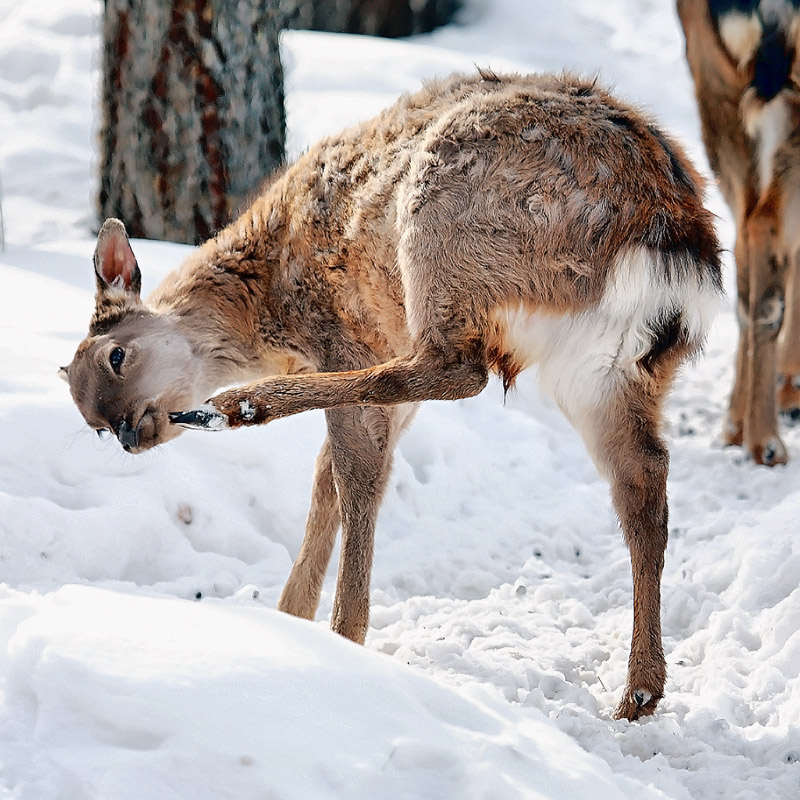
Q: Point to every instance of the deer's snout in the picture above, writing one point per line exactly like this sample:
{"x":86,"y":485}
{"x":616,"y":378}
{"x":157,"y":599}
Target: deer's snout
{"x":128,"y":437}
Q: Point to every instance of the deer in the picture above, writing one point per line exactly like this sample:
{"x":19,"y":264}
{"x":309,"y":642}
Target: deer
{"x":743,"y":57}
{"x":481,"y":225}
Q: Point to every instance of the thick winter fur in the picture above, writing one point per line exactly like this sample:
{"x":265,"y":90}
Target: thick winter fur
{"x":483,"y":224}
{"x":743,"y":55}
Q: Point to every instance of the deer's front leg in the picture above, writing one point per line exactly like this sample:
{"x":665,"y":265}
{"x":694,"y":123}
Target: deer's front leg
{"x":362,"y":440}
{"x":300,"y":596}
{"x":429,"y":375}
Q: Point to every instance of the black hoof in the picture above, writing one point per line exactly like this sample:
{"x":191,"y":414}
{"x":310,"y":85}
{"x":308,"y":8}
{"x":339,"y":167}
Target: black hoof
{"x":641,"y":697}
{"x":791,"y":414}
{"x":206,"y":418}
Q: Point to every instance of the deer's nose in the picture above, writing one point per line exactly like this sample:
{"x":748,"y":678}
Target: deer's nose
{"x":128,"y":437}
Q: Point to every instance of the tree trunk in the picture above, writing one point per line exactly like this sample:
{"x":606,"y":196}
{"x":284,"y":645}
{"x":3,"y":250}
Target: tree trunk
{"x":192,"y":112}
{"x":390,"y":18}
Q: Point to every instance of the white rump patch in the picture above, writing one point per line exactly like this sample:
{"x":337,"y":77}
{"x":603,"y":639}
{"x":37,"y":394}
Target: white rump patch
{"x":585,"y":358}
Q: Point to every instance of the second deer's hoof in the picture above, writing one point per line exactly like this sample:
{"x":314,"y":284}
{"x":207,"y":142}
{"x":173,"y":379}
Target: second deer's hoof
{"x":770,"y":454}
{"x":789,"y":397}
{"x":732,"y":432}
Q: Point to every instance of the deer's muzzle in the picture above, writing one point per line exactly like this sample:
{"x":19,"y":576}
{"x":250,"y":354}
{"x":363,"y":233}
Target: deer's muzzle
{"x":128,"y":437}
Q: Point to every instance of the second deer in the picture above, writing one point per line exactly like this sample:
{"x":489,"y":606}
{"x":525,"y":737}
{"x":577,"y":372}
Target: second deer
{"x":743,"y":55}
{"x":484,"y":224}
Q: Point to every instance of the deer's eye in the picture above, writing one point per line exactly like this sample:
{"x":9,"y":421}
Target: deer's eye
{"x":116,"y":358}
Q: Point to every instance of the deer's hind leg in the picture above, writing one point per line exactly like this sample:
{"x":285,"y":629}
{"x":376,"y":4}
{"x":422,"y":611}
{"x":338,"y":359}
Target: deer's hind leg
{"x":638,"y":463}
{"x":768,"y":268}
{"x":789,"y":347}
{"x":733,"y":431}
{"x":623,"y":437}
{"x":762,"y":271}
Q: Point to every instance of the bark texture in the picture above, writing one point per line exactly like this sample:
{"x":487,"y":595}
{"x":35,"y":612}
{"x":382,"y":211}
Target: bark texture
{"x":192,"y":115}
{"x":391,"y":18}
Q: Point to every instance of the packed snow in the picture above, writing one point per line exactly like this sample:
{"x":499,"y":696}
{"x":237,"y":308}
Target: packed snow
{"x":140,"y":652}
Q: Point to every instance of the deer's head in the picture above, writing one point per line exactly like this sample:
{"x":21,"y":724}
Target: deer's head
{"x":135,"y":365}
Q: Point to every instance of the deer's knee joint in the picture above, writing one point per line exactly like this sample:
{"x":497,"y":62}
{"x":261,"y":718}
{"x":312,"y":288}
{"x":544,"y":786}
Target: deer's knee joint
{"x":652,"y":470}
{"x":475,"y":377}
{"x":641,"y":476}
{"x":742,"y":315}
{"x":456,"y":377}
{"x":394,"y":386}
{"x":464,"y":379}
{"x":761,"y":225}
{"x":769,"y":311}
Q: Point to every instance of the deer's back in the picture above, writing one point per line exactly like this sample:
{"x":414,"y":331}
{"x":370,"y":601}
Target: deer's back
{"x":532,"y":183}
{"x":479,"y":192}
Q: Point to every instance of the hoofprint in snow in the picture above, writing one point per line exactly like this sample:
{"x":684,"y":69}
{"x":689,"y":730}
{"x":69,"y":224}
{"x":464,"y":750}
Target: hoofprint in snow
{"x":501,"y":591}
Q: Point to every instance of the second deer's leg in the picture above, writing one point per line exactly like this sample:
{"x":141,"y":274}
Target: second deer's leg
{"x":300,"y":596}
{"x":789,"y":346}
{"x":733,"y":433}
{"x":768,"y":271}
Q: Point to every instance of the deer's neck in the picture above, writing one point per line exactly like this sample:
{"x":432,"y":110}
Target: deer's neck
{"x":229,"y":300}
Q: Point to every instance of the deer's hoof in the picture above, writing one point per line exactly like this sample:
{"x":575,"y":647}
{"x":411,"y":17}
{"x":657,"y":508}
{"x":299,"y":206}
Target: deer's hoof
{"x":770,"y":454}
{"x":789,"y":397}
{"x":205,"y":418}
{"x":733,"y":433}
{"x":642,"y":697}
{"x":636,"y":704}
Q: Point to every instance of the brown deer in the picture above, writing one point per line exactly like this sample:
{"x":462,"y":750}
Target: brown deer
{"x":483,"y":224}
{"x":743,"y":57}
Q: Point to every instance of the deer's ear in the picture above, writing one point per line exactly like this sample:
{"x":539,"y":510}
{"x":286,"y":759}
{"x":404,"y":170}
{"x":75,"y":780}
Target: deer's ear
{"x":114,"y":262}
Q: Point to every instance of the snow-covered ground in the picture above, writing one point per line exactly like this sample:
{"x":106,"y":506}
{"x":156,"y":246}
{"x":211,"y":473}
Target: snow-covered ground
{"x":140,"y":655}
